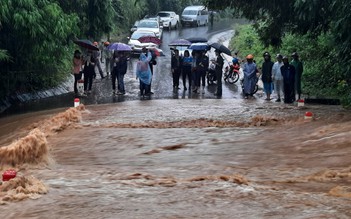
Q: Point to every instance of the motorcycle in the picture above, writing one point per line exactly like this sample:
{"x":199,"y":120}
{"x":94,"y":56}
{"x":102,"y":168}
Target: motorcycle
{"x":211,"y":74}
{"x":256,"y":86}
{"x":231,"y":73}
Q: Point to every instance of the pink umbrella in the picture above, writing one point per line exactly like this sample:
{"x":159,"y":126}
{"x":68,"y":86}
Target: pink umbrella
{"x":150,"y":39}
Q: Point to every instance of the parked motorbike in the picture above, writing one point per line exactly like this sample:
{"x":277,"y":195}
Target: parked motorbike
{"x":231,"y":73}
{"x":211,"y":74}
{"x":256,"y":86}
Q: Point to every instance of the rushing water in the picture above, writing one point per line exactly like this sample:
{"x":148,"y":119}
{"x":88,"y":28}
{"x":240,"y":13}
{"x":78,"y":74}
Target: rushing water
{"x":179,"y":159}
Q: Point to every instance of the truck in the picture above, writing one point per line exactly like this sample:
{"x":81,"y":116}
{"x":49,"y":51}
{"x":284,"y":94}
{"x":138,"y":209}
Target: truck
{"x":169,"y":19}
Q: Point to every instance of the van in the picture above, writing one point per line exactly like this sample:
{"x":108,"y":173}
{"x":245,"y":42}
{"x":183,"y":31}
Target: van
{"x":194,"y":16}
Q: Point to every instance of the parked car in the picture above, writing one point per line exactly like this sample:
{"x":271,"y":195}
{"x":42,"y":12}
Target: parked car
{"x":156,"y":18}
{"x":138,"y":46}
{"x":151,"y":25}
{"x":135,"y":26}
{"x":195,"y":16}
{"x":169,"y":19}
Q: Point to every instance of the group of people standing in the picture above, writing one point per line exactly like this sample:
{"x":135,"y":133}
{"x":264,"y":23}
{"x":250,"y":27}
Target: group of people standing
{"x":115,"y":62}
{"x":194,"y":69}
{"x":282,"y":76}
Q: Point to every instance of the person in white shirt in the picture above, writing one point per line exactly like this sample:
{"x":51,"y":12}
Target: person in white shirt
{"x":278,"y":78}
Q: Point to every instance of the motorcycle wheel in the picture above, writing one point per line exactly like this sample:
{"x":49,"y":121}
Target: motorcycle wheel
{"x":233,"y":78}
{"x":256,"y":89}
{"x":210,"y":80}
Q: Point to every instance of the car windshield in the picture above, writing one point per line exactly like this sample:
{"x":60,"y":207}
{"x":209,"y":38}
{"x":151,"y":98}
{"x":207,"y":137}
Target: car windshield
{"x":148,"y":24}
{"x":164,"y":14}
{"x":189,"y":12}
{"x":137,"y":35}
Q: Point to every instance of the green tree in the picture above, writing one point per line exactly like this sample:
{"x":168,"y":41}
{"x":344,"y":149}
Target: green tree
{"x":324,"y":21}
{"x":100,"y":16}
{"x":35,"y":33}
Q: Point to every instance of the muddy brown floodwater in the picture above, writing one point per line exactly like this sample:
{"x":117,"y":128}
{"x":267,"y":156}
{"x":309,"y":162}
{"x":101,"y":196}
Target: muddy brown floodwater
{"x":179,"y":159}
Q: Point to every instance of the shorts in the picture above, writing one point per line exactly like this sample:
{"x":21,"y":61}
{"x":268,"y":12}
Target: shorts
{"x":268,"y":87}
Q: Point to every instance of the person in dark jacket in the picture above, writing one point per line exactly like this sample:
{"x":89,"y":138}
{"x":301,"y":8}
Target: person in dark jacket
{"x":267,"y":75}
{"x":121,"y":70}
{"x":89,"y":72}
{"x":299,"y":70}
{"x":219,"y":66}
{"x":288,"y":73}
{"x":176,"y":69}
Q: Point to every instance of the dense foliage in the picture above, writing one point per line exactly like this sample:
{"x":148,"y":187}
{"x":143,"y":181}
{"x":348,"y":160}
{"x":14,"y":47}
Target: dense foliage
{"x":320,"y":76}
{"x":36,"y":36}
{"x":318,"y":29}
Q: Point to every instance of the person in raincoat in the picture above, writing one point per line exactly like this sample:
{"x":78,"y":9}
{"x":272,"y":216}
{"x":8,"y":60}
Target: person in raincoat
{"x":267,"y":75}
{"x":299,"y":69}
{"x":250,"y":78}
{"x":288,"y":73}
{"x":143,"y":73}
{"x":278,"y":78}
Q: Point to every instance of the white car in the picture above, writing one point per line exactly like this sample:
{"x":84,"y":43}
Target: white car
{"x":150,"y":25}
{"x":135,"y":26}
{"x":138,"y":46}
{"x":169,"y":19}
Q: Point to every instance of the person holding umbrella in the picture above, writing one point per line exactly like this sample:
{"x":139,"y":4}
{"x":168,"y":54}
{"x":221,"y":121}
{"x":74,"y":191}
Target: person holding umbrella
{"x":219,"y":48}
{"x":219,"y":66}
{"x":186,"y":68}
{"x":119,"y":70}
{"x":176,"y":68}
{"x":89,"y":72}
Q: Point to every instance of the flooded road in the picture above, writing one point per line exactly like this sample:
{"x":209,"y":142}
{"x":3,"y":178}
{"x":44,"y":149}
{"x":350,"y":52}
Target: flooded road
{"x":177,"y":155}
{"x":186,"y":158}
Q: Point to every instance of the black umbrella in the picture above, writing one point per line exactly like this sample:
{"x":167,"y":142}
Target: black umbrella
{"x":86,"y":44}
{"x":197,"y":40}
{"x":221,"y":48}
